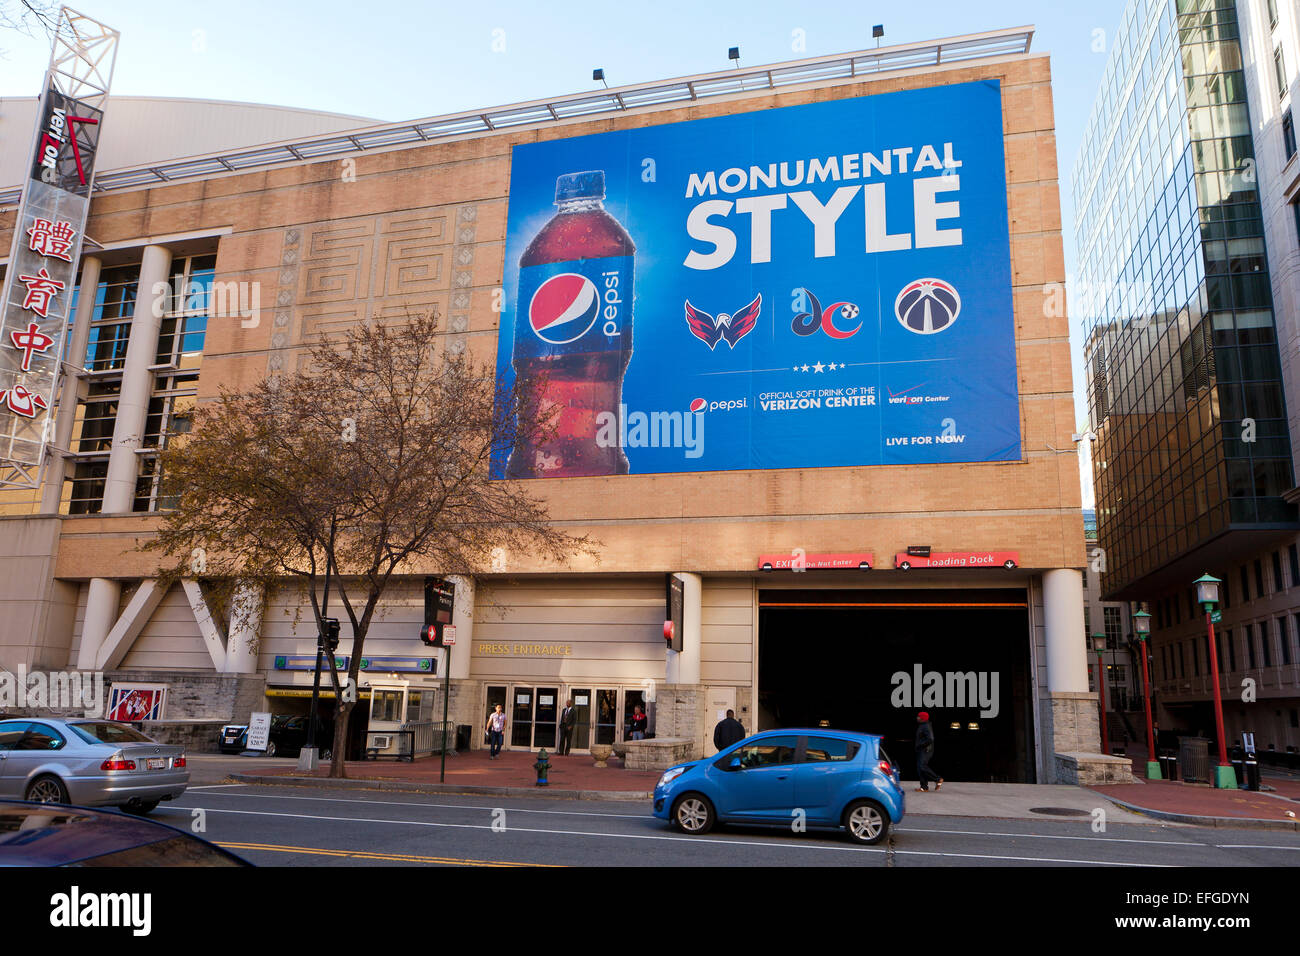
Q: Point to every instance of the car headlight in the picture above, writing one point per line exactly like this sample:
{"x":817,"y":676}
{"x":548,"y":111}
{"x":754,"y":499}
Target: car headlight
{"x":671,"y":775}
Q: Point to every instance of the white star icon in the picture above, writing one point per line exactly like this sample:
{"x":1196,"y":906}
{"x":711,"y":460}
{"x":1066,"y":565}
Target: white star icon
{"x":804,"y":369}
{"x":819,"y":367}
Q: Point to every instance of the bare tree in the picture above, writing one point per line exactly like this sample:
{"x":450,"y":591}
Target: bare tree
{"x":371,"y":462}
{"x":28,"y":16}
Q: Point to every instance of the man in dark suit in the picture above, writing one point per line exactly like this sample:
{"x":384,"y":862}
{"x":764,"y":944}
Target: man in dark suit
{"x":567,"y":721}
{"x":729,"y":731}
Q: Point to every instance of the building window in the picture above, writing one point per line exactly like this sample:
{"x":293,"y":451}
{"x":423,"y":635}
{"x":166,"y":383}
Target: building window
{"x":1277,"y":572}
{"x":1288,"y":134}
{"x":1250,"y":646}
{"x":1245,"y":584}
{"x":1114,"y":627}
{"x":1265,"y":645}
{"x":1284,"y":640}
{"x":1279,"y":71}
{"x":1295,"y":564}
{"x":1232,"y":654}
{"x":1259,"y":578}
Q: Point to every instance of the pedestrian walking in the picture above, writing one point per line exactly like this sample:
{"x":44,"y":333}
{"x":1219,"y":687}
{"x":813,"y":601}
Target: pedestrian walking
{"x":567,"y":721}
{"x":496,"y":729}
{"x":728,"y":731}
{"x":639,"y":721}
{"x":924,"y":751}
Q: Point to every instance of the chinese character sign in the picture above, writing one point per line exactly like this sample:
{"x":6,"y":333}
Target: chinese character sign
{"x":39,"y":282}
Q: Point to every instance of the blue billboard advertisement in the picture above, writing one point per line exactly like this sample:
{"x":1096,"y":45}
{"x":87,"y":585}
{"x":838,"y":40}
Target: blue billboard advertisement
{"x":813,"y":286}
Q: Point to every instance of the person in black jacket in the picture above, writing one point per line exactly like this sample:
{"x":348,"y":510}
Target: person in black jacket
{"x":567,"y":721}
{"x":729,"y":731}
{"x":924,"y":751}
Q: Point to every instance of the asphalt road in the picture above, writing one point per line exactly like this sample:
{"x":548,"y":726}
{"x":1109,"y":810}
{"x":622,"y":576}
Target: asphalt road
{"x":282,"y":826}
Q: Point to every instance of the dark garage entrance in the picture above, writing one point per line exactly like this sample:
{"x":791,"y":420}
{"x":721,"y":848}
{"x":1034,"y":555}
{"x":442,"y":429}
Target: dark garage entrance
{"x":853,"y":658}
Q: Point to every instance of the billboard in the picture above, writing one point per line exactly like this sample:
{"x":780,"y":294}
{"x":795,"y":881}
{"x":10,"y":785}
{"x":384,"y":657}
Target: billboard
{"x":812,"y":286}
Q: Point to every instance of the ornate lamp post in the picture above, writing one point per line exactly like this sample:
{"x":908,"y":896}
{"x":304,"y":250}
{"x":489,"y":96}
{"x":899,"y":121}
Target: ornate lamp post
{"x":1099,"y":645}
{"x":1207,"y":594}
{"x":1142,"y":626}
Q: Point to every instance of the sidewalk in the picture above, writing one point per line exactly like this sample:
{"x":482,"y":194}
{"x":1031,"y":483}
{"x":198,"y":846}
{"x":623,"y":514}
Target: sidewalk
{"x":474,"y":772}
{"x":1203,"y":805}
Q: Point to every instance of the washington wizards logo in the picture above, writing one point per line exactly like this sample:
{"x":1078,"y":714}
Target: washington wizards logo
{"x":723,"y":328}
{"x":927,"y":306}
{"x":564,"y":308}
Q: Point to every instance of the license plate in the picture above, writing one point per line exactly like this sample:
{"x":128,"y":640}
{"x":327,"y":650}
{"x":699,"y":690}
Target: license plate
{"x":156,"y":763}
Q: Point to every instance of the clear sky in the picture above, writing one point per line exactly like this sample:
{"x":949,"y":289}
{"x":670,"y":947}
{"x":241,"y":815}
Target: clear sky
{"x":403,"y":59}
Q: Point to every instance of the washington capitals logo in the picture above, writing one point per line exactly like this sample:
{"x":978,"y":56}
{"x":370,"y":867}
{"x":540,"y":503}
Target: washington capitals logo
{"x":727,"y":328}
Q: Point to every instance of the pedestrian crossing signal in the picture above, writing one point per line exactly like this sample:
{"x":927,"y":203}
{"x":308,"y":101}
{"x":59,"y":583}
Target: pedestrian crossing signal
{"x":431,"y":634}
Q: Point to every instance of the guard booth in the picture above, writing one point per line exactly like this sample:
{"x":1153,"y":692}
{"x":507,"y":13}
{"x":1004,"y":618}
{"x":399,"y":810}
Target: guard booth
{"x":401,"y":722}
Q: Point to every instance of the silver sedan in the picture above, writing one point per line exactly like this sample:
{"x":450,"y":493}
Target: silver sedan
{"x":90,"y":763}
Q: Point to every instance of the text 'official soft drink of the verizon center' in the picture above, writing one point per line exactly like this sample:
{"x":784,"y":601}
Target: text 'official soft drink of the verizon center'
{"x":573,"y":332}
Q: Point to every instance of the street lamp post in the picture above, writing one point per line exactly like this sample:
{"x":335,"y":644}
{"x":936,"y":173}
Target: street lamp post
{"x":1142,"y":625}
{"x":1207,"y":595}
{"x":1099,"y":645}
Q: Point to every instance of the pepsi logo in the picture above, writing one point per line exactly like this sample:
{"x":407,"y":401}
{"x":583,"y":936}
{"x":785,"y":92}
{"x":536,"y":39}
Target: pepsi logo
{"x":564,"y":308}
{"x":927,"y":306}
{"x":698,"y":405}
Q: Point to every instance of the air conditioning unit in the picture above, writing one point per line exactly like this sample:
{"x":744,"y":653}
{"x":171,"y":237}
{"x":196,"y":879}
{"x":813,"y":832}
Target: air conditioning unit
{"x":381,"y":741}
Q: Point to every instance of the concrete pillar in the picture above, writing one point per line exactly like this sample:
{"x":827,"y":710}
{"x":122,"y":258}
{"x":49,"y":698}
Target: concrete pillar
{"x":245,"y":626}
{"x":462,"y":616}
{"x":1067,"y":654}
{"x":137,"y":381}
{"x":101,"y":614}
{"x":73,"y":384}
{"x":684,"y":667}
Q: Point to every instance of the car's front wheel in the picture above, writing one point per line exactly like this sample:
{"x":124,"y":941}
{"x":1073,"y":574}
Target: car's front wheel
{"x":693,"y":814}
{"x":866,"y":822}
{"x":270,"y":748}
{"x":47,"y":789}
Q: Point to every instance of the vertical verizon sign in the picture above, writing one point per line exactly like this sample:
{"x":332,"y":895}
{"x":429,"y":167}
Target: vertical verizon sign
{"x":49,"y":228}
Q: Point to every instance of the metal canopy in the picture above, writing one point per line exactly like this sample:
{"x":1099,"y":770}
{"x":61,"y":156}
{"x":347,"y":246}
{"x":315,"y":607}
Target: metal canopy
{"x":910,"y":56}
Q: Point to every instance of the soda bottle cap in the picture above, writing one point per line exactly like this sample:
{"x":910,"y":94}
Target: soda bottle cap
{"x":586,"y":185}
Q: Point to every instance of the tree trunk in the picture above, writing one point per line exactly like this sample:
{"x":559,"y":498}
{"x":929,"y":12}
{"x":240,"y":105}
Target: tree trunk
{"x":341,"y":717}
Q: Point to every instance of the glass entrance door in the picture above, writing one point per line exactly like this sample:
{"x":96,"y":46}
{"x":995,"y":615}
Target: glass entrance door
{"x":496,"y":694}
{"x":582,"y":717}
{"x":523,"y":699}
{"x":604,"y":716}
{"x":546,"y":717}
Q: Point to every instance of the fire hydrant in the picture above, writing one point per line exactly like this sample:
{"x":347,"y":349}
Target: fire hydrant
{"x":541,"y":767}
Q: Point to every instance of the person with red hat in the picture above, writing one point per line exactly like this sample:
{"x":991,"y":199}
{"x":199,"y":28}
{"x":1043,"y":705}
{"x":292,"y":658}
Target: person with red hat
{"x":924,"y":751}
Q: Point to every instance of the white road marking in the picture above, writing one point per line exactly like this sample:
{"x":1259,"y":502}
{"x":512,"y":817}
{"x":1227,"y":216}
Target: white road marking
{"x":1252,"y":846}
{"x":441,"y":806}
{"x":685,"y":839}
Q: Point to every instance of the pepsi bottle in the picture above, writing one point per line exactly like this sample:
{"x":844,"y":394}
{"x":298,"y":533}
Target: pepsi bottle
{"x":573,"y":335}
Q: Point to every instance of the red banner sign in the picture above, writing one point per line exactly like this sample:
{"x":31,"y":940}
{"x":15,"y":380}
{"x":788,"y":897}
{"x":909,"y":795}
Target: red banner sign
{"x":797,"y":560}
{"x":959,"y":559}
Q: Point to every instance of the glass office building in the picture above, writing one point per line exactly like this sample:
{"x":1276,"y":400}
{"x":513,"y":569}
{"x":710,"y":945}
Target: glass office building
{"x":1192,"y":457}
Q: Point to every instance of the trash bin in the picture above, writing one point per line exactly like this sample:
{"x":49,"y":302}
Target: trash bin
{"x":1168,"y":766}
{"x":1194,"y":759}
{"x":1252,"y":772}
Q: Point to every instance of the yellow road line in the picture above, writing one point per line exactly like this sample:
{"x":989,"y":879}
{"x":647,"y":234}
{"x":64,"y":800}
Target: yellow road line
{"x":370,"y":855}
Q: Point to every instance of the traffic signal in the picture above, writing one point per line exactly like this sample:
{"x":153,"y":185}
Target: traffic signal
{"x":329,"y":635}
{"x":431,"y":634}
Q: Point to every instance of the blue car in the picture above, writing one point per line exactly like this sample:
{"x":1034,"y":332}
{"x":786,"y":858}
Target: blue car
{"x":836,"y":778}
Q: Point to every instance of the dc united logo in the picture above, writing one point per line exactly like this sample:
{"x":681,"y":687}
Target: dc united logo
{"x":927,"y":306}
{"x":564,"y":308}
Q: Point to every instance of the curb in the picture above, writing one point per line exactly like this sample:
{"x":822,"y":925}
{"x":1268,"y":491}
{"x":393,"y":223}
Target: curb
{"x":353,"y":783}
{"x":1245,"y":823}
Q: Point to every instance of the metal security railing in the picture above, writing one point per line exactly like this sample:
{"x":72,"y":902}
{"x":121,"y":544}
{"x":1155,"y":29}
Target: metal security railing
{"x":907,"y":56}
